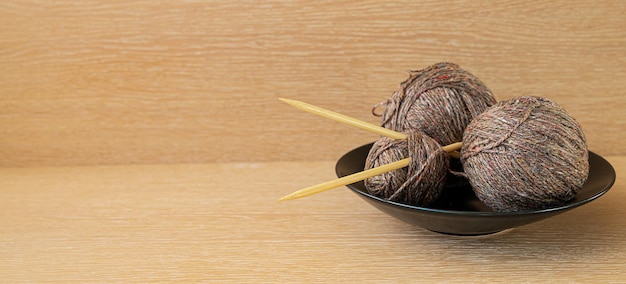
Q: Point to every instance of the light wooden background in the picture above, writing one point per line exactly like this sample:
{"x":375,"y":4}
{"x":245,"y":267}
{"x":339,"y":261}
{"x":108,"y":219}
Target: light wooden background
{"x":118,"y":82}
{"x":142,"y":141}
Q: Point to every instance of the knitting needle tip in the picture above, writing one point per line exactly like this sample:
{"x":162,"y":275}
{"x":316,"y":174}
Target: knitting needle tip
{"x":344,"y":119}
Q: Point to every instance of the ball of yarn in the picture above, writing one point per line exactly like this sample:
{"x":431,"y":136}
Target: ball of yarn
{"x":440,"y":100}
{"x":525,"y":153}
{"x":419,"y":184}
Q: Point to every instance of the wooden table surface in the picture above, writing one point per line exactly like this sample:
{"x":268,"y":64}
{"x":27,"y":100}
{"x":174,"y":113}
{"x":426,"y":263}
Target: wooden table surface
{"x":222,"y":222}
{"x":142,"y":141}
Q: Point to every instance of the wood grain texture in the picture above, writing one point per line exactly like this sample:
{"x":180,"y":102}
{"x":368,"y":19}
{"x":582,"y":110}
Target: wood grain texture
{"x":221,"y":223}
{"x":105,"y":106}
{"x":109,"y":82}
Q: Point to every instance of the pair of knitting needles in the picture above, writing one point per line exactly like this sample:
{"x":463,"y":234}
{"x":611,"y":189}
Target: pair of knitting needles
{"x":360,"y":175}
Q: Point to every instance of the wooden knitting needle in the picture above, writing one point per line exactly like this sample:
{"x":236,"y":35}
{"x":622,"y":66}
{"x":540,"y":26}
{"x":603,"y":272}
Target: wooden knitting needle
{"x":350,"y":121}
{"x":346,"y":180}
{"x":344,"y":119}
{"x":357,"y":176}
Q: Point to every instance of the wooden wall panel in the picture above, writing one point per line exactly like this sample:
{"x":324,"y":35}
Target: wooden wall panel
{"x":113,"y":82}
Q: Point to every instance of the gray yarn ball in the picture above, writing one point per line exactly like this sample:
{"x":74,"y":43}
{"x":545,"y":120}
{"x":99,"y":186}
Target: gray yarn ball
{"x":439,"y":100}
{"x":525,"y":153}
{"x":419,"y":184}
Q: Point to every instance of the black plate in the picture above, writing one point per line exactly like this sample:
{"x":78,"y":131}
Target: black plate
{"x":459,"y":211}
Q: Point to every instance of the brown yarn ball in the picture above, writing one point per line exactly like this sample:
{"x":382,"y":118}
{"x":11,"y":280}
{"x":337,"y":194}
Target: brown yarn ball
{"x":440,"y":100}
{"x":419,"y":184}
{"x":525,"y":153}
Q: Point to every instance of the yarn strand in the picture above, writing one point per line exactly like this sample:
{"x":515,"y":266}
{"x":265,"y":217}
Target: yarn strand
{"x":488,"y":145}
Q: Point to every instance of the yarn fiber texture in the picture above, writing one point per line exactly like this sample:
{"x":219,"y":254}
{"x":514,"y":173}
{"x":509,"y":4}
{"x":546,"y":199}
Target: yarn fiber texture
{"x":523,"y":154}
{"x":441,"y":100}
{"x":419,"y":184}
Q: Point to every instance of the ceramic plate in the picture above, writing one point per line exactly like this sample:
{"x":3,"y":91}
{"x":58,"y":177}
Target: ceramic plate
{"x":459,"y":211}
